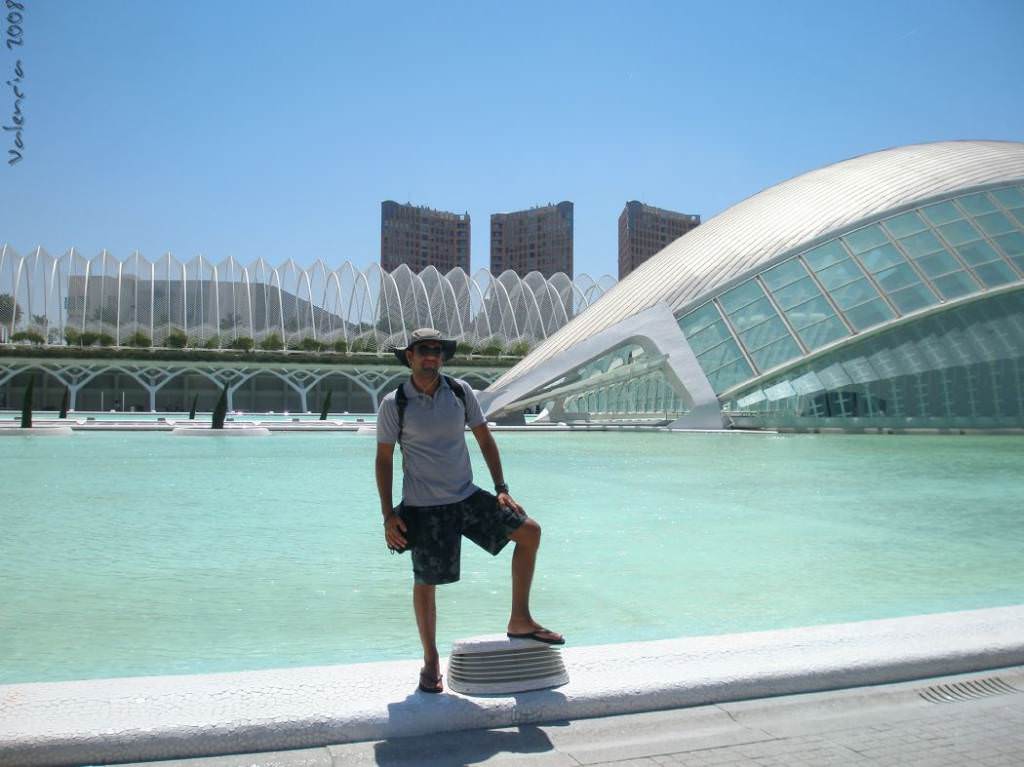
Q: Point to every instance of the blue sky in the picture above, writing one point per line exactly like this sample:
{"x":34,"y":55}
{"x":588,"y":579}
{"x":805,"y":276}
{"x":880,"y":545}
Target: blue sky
{"x":251,"y":128}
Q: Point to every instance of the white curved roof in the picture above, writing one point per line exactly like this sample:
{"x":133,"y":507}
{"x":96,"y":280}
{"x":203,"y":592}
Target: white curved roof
{"x":784,"y":217}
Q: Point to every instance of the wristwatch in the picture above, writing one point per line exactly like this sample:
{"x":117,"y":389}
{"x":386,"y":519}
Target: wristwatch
{"x":500,"y":488}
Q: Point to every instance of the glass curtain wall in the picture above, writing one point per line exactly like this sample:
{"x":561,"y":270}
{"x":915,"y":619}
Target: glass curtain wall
{"x":901,"y":264}
{"x":962,"y":368}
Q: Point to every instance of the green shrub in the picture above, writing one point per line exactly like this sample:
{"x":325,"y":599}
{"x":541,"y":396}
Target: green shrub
{"x":340,"y":346}
{"x":490,"y":349}
{"x":72,"y":336}
{"x":213,"y":342}
{"x":176,"y":340}
{"x":363,"y":344}
{"x":105,"y":339}
{"x":88,"y":338}
{"x":520,"y":349}
{"x":272,"y":343}
{"x":28,"y":335}
{"x":242,"y":343}
{"x":310,"y":345}
{"x":462,"y":348}
{"x":138,"y":340}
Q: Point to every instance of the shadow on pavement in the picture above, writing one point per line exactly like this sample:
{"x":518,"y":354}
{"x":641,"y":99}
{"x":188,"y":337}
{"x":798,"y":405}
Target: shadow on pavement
{"x":426,"y":713}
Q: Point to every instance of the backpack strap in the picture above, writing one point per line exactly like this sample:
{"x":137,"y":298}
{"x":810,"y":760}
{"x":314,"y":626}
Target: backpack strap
{"x":459,"y":392}
{"x":402,"y":402}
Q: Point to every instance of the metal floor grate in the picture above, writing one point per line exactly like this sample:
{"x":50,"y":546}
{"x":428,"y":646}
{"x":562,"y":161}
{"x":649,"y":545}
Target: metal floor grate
{"x":972,"y":690}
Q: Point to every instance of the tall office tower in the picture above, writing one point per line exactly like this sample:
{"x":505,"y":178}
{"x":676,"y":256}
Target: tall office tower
{"x":422,"y":237}
{"x":539,"y":239}
{"x":644,"y":230}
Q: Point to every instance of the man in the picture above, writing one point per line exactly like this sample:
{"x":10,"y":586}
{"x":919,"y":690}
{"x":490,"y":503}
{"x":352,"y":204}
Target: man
{"x":439,"y":499}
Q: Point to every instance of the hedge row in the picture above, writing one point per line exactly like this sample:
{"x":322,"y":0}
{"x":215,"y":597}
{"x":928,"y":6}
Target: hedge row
{"x":231,"y":355}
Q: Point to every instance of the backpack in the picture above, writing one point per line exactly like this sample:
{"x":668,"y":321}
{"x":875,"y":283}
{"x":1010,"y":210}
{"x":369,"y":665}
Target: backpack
{"x":402,"y":401}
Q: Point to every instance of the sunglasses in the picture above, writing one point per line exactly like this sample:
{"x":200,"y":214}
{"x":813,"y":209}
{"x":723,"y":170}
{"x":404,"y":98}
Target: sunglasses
{"x":423,"y":351}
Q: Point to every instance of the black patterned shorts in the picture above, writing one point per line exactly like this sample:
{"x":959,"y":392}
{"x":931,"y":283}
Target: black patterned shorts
{"x":436,"y":534}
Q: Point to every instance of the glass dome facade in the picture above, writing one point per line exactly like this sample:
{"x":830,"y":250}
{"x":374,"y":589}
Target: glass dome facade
{"x":906,"y":315}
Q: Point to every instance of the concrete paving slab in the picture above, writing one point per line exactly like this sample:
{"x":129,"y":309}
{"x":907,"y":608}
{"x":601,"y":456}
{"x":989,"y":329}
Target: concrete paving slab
{"x":308,"y":757}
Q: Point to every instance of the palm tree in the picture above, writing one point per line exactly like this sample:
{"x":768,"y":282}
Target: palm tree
{"x":9,"y":310}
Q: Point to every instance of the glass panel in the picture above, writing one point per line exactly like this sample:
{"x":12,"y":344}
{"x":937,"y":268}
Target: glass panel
{"x":730,"y":375}
{"x":855,"y":293}
{"x":764,"y":334}
{"x":775,"y":354}
{"x":938,"y":263}
{"x":1012,"y":244}
{"x":823,"y":255}
{"x":994,"y":223}
{"x":710,"y":336}
{"x":955,"y":285}
{"x":755,"y":314}
{"x":880,"y":258}
{"x":797,"y":293}
{"x":996,"y":273}
{"x":977,"y":253}
{"x":897,"y":277}
{"x":699,"y":318}
{"x":921,"y":244}
{"x":1011,"y":197}
{"x":871,"y":313}
{"x":976,"y":204}
{"x":908,"y":223}
{"x":740,"y":296}
{"x":720,"y":355}
{"x":812,"y":312}
{"x":865,"y":239}
{"x":912,"y":298}
{"x":942,"y":213}
{"x":959,"y":232}
{"x":784,"y":274}
{"x":821,"y":333}
{"x":1018,"y":213}
{"x":839,"y":274}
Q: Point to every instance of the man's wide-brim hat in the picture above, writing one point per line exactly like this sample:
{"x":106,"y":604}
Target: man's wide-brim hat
{"x":426,"y":334}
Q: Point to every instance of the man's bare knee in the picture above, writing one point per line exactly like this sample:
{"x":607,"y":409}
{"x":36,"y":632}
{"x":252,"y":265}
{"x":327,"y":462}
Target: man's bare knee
{"x":528,"y":534}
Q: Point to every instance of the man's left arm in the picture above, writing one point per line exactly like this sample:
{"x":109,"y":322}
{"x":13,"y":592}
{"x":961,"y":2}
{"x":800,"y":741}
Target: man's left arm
{"x":478,"y":425}
{"x":489,"y":448}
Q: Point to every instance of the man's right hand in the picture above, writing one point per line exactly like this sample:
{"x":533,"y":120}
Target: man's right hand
{"x":394,"y":529}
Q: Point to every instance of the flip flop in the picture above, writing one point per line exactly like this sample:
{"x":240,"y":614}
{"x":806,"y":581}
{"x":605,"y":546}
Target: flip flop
{"x":535,"y":635}
{"x":430,"y":684}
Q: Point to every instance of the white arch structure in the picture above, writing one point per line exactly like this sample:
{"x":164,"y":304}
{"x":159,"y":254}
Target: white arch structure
{"x":212,"y":305}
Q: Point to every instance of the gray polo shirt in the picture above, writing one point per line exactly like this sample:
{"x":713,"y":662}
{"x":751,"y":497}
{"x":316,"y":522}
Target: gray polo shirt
{"x":435,"y":461}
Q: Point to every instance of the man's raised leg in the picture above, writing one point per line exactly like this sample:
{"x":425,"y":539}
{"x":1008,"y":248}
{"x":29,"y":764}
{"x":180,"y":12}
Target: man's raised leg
{"x":524,"y":561}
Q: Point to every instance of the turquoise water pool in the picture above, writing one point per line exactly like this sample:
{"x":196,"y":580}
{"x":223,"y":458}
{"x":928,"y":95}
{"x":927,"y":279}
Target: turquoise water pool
{"x":127,"y":554}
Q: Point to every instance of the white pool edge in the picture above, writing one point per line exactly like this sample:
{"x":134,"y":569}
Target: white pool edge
{"x":149,"y":718}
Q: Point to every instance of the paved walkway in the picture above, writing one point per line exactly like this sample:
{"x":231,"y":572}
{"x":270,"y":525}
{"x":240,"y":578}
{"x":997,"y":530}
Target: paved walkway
{"x":973,"y":719}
